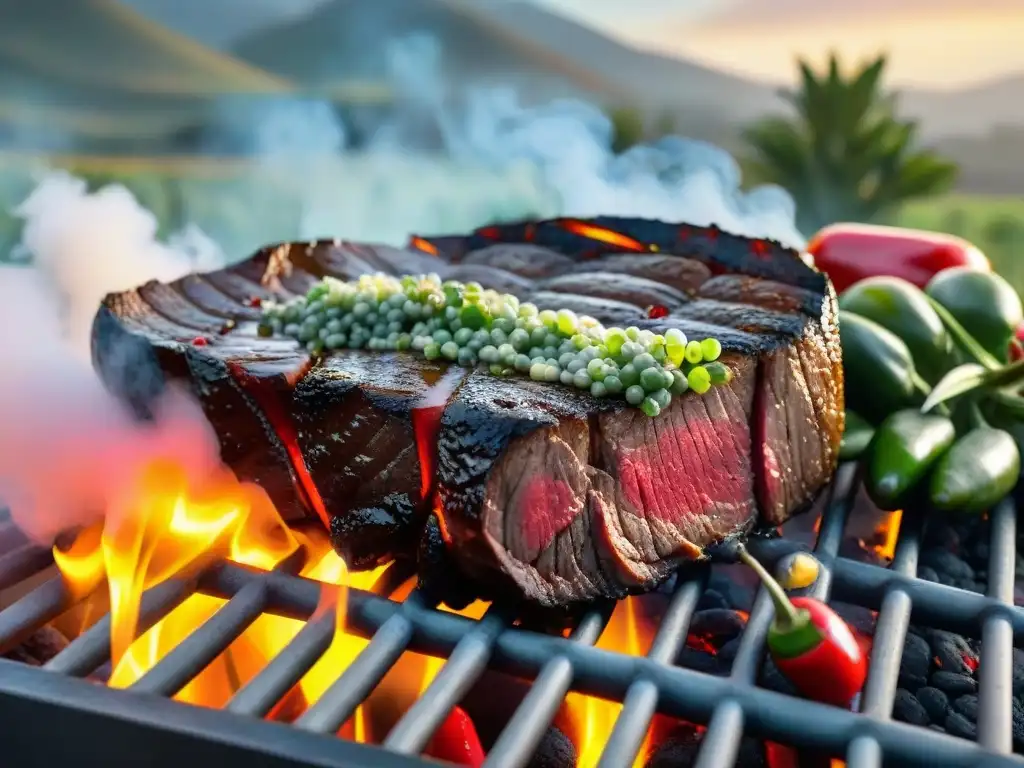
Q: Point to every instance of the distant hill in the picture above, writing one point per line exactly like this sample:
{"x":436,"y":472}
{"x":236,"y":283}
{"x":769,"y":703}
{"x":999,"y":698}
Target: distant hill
{"x":349,"y":38}
{"x":520,"y":42}
{"x":650,"y":81}
{"x":96,"y":71}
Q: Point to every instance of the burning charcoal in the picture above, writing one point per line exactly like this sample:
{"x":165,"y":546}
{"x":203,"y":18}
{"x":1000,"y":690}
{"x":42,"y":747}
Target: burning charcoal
{"x":951,"y":652}
{"x":772,"y":679}
{"x":555,"y":750}
{"x":712,"y":599}
{"x":916,"y":660}
{"x":1018,"y":726}
{"x":958,"y":725}
{"x":681,"y":747}
{"x":699,"y":660}
{"x":734,"y":596}
{"x":967,"y":706}
{"x":928,"y":574}
{"x":942,"y":537}
{"x":718,"y":625}
{"x":1018,"y":672}
{"x":935,"y":703}
{"x":727,"y":653}
{"x":907,"y":708}
{"x":952,"y":684}
{"x":41,"y":646}
{"x":946,"y":563}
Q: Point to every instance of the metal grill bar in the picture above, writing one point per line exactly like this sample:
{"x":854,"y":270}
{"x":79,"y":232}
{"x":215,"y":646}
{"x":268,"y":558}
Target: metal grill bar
{"x":44,"y":603}
{"x":891,"y":626}
{"x":519,"y":740}
{"x":722,"y":739}
{"x":118,"y":729}
{"x":995,"y":663}
{"x":20,"y":563}
{"x":733,"y":705}
{"x":193,"y":654}
{"x":285,"y":670}
{"x":464,"y":667}
{"x":339,"y":702}
{"x":641,"y":700}
{"x":92,"y":648}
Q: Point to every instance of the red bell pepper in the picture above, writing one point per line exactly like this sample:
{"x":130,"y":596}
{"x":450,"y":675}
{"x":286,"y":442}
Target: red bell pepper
{"x":850,"y":252}
{"x":811,"y":646}
{"x":456,"y":741}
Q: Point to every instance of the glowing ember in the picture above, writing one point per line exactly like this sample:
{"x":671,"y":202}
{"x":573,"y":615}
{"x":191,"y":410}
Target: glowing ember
{"x":423,"y":245}
{"x":169,"y":525}
{"x":603,"y":235}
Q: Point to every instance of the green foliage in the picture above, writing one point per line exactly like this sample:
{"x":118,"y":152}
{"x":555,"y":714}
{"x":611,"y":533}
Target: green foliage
{"x":627,"y":128}
{"x":845,"y":155}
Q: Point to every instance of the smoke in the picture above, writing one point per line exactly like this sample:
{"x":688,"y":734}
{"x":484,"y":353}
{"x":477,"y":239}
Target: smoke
{"x":68,"y":450}
{"x":496,"y":159}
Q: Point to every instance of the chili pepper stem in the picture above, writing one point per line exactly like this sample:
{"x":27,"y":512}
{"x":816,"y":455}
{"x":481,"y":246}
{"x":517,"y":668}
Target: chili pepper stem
{"x":922,"y":386}
{"x":786,"y":614}
{"x":975,"y":415}
{"x":962,"y":338}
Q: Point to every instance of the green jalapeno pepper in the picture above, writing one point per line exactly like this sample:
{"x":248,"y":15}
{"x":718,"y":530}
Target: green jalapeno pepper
{"x":856,"y":437}
{"x":901,"y":307}
{"x":987,"y":306}
{"x":878,"y":369}
{"x":980,"y":469}
{"x":904,"y":448}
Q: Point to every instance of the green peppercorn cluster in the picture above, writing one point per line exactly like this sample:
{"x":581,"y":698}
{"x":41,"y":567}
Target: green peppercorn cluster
{"x":471,"y":326}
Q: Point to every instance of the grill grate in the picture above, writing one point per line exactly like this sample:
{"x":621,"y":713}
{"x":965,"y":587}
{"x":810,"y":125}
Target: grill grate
{"x":114,"y":727}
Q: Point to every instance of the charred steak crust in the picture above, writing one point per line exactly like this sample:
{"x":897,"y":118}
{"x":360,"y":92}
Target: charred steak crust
{"x":539,"y":490}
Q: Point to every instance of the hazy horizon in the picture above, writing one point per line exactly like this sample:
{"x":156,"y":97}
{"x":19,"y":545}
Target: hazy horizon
{"x":757,"y":39}
{"x":933,"y":44}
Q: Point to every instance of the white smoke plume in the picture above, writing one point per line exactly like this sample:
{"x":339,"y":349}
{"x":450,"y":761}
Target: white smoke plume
{"x":68,"y":450}
{"x":67,"y":447}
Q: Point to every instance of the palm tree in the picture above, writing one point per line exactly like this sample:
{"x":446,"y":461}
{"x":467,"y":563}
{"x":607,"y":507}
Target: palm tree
{"x":845,"y":155}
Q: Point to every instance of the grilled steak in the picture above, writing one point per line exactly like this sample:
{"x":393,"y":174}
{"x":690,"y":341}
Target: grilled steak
{"x":539,"y":489}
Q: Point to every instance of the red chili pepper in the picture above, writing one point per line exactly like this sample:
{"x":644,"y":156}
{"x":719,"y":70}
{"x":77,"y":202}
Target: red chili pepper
{"x":456,"y":741}
{"x":811,"y":646}
{"x":850,"y":252}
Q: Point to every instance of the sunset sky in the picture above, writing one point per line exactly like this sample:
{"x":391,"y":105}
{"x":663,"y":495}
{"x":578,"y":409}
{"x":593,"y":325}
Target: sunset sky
{"x":937,"y":43}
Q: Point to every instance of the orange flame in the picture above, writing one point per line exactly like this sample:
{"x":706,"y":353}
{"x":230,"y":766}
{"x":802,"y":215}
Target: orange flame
{"x":592,"y":719}
{"x":604,"y":235}
{"x":424,"y":245}
{"x":169,"y":525}
{"x":887,"y":533}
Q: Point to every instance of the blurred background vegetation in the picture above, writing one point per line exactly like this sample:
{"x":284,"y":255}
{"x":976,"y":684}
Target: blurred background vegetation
{"x":842,"y":148}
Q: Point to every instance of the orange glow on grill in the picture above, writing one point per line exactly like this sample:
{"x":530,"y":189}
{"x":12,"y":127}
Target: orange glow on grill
{"x":424,"y":245}
{"x":601,"y":234}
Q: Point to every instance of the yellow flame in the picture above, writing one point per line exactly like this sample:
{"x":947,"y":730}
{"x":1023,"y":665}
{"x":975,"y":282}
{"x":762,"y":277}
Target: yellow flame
{"x":592,"y":718}
{"x":167,"y":525}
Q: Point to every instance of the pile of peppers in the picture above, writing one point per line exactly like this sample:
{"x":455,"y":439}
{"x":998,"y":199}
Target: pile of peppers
{"x":933,"y":366}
